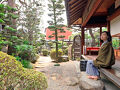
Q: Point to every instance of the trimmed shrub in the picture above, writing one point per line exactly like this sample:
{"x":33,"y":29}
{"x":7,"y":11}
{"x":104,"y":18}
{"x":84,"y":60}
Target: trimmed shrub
{"x":13,"y":75}
{"x":26,"y":52}
{"x":45,"y":52}
{"x":53,"y":54}
{"x":65,"y":51}
{"x":63,"y":59}
{"x":26,"y":64}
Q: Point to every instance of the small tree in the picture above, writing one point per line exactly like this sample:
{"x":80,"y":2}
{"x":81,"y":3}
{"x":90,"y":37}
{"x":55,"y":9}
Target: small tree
{"x":8,"y":36}
{"x":56,"y":9}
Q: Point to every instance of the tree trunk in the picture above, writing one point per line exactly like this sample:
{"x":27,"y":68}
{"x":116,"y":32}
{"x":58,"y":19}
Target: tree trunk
{"x":93,"y":38}
{"x":4,"y":49}
{"x":56,"y":36}
{"x":30,"y":37}
{"x":11,"y":49}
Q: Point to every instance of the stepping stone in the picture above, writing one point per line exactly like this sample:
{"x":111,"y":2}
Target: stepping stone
{"x":71,"y":81}
{"x":89,"y":84}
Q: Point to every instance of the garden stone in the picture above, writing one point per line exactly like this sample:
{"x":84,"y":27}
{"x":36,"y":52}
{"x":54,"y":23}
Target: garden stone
{"x":89,"y":84}
{"x":71,"y":81}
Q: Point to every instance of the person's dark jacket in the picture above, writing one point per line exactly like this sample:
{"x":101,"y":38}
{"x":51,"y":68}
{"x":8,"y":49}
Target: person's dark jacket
{"x":106,"y":56}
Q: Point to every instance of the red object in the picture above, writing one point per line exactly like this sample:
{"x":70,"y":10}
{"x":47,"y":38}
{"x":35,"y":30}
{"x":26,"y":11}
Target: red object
{"x":93,"y":48}
{"x":66,"y":34}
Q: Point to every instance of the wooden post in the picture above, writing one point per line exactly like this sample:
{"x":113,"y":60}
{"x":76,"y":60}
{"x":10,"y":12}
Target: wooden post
{"x":82,"y":39}
{"x":108,"y":26}
{"x":100,"y":35}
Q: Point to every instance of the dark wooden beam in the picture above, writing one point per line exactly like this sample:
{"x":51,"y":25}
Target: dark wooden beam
{"x":96,"y":25}
{"x":78,"y":6}
{"x":75,"y":3}
{"x":78,"y":11}
{"x":100,"y":35}
{"x":72,"y":1}
{"x":82,"y":39}
{"x":108,"y":26}
{"x":95,"y":6}
{"x":74,"y":19}
{"x":114,"y":15}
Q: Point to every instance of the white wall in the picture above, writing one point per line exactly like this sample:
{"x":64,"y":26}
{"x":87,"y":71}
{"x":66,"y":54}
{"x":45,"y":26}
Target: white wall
{"x":115,"y":25}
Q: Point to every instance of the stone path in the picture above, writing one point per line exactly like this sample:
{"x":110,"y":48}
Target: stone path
{"x":63,"y":77}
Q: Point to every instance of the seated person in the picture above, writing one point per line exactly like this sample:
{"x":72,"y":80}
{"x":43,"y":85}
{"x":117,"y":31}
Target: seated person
{"x":104,"y":59}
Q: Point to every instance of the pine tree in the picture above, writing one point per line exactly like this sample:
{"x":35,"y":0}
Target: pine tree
{"x":56,"y":9}
{"x":30,"y":19}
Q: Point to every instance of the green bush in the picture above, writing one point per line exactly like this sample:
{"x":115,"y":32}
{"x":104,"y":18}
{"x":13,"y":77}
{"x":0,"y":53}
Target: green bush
{"x":63,"y":59}
{"x":65,"y":51}
{"x":53,"y":54}
{"x":45,"y":52}
{"x":26,"y":64}
{"x":26,"y":52}
{"x":13,"y":75}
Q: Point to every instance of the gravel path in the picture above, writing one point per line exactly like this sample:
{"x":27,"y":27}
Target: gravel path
{"x":63,"y":77}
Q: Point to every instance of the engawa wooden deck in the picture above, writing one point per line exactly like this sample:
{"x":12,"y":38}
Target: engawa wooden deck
{"x":112,"y":74}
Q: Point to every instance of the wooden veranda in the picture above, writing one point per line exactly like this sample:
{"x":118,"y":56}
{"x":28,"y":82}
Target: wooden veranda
{"x":96,"y":13}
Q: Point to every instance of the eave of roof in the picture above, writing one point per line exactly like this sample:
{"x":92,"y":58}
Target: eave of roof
{"x":74,"y":10}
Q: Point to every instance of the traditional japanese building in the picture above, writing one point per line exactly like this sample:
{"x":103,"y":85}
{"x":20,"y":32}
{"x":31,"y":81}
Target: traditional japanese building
{"x":95,"y":13}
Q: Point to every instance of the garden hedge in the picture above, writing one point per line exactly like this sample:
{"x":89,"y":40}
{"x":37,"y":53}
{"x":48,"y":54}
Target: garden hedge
{"x":13,"y":75}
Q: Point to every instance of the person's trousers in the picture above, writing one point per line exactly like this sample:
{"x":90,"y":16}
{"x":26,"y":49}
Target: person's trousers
{"x":91,"y":69}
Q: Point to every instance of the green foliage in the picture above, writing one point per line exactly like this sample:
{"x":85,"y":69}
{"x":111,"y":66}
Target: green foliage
{"x":17,"y":58}
{"x":31,"y":21}
{"x":26,"y":52}
{"x":62,"y":31}
{"x":78,"y":58}
{"x":50,"y":44}
{"x":25,"y":42}
{"x":10,"y":28}
{"x":14,"y":38}
{"x":1,"y":21}
{"x":56,"y":64}
{"x":6,"y":17}
{"x":61,"y":36}
{"x":50,"y":36}
{"x":2,"y":15}
{"x":5,"y":43}
{"x":14,"y":75}
{"x":45,"y":52}
{"x":8,"y":8}
{"x":51,"y":27}
{"x":65,"y":51}
{"x":115,"y":43}
{"x":12,"y":15}
{"x":26,"y":64}
{"x":53,"y":54}
{"x":56,"y":9}
{"x":1,"y":6}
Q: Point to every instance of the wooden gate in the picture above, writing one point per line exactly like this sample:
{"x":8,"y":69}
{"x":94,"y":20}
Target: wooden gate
{"x":77,"y":47}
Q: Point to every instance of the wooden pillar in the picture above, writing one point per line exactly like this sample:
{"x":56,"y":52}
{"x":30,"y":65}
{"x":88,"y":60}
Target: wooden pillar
{"x":108,"y":26}
{"x":100,"y":35}
{"x":83,"y":39}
